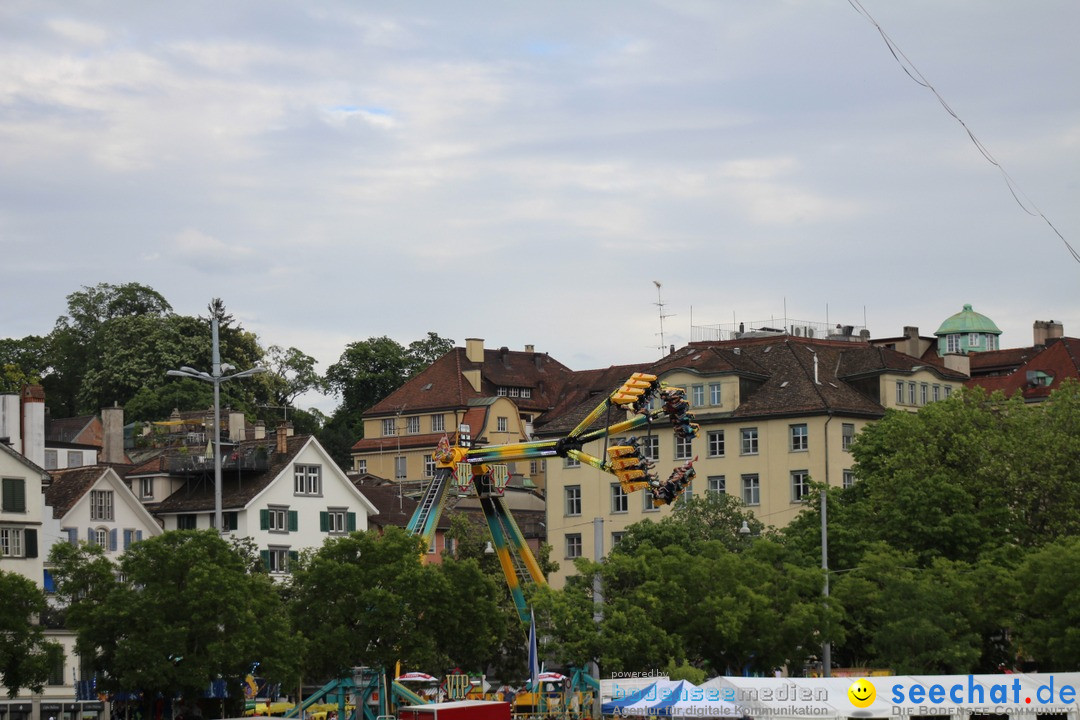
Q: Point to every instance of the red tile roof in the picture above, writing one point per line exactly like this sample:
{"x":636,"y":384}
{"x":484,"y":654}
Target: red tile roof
{"x":1060,"y":360}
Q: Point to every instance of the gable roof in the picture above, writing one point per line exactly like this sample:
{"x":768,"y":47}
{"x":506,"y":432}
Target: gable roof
{"x":442,"y":385}
{"x":73,"y":430}
{"x":197,"y":494}
{"x":1060,"y":360}
{"x":68,"y":486}
{"x":30,"y":465}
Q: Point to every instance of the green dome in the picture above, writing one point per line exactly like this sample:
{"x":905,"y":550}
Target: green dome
{"x":968,"y":321}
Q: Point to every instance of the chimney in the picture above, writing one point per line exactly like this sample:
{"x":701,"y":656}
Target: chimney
{"x":33,"y":424}
{"x":260,"y":429}
{"x":530,"y":348}
{"x":289,"y":429}
{"x":960,"y":363}
{"x":112,"y":440}
{"x":474,"y":350}
{"x":504,"y":355}
{"x":237,"y":427}
{"x":1047,"y":330}
{"x":911,"y":341}
{"x":10,"y":414}
{"x":282,"y":439}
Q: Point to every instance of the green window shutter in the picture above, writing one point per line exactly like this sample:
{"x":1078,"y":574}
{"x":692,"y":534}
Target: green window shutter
{"x":265,"y":555}
{"x":294,"y":556}
{"x":294,"y":520}
{"x":350,"y":522}
{"x":324,"y":522}
{"x":14,"y":495}
{"x":30,"y":542}
{"x":264,"y":524}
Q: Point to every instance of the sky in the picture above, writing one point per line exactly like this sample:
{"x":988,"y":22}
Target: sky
{"x":528,"y":172}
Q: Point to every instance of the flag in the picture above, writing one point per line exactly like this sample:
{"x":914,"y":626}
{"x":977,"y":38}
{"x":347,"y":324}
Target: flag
{"x":534,"y":660}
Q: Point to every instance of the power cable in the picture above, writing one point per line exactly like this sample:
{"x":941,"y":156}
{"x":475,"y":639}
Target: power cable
{"x":909,"y":68}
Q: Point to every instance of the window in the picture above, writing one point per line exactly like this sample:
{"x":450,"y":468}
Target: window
{"x":991,"y":342}
{"x":134,"y":536}
{"x":682,"y":447}
{"x":847,"y":436}
{"x":279,"y":519}
{"x":388,"y":427}
{"x":146,"y":488}
{"x":620,"y":501}
{"x":616,"y":537}
{"x":515,"y":392}
{"x":688,"y":491}
{"x":400,"y":467}
{"x":56,"y":670}
{"x":277,"y":559}
{"x":573,"y":546}
{"x":948,"y":390}
{"x":749,"y":441}
{"x":307,"y":480}
{"x":911,"y":393}
{"x":571,"y":462}
{"x":974,"y":340}
{"x":533,"y":467}
{"x":899,"y":392}
{"x":11,"y":542}
{"x":650,"y":447}
{"x":74,"y":458}
{"x":337,"y":521}
{"x":800,"y":485}
{"x":648,"y":505}
{"x":502,"y":424}
{"x":697,"y":395}
{"x":13,"y":492}
{"x":717,"y":484}
{"x":751,"y":489}
{"x":937,"y":393}
{"x":952,"y":343}
{"x":101,"y":537}
{"x":437,"y":423}
{"x":431,"y":545}
{"x":716,"y":443}
{"x":361,"y":466}
{"x":526,"y":392}
{"x":849,"y":478}
{"x":50,"y":460}
{"x":412,"y":425}
{"x":924,"y":394}
{"x":800,"y":437}
{"x":101,"y":505}
{"x":502,"y":392}
{"x":714,"y":394}
{"x":572,"y":494}
{"x":228,"y":519}
{"x":429,"y":466}
{"x":188,"y":521}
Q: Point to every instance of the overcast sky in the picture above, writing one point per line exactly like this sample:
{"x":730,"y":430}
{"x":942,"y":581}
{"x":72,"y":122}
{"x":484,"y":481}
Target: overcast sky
{"x":524,"y":171}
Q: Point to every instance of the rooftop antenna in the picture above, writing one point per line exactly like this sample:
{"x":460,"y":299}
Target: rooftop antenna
{"x":660,"y":304}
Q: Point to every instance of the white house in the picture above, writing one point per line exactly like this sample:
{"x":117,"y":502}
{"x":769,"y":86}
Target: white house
{"x":285,"y":492}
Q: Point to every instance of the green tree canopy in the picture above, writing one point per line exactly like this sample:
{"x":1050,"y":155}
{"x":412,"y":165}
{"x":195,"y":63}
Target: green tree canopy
{"x":186,"y":608}
{"x":26,"y":656}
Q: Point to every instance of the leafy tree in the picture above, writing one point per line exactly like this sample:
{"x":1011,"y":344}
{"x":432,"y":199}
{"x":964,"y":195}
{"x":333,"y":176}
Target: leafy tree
{"x":187,"y":608}
{"x":292,"y":373}
{"x":422,"y":353}
{"x":911,"y":620}
{"x":366,"y":599}
{"x":22,"y":362}
{"x":1048,"y":607}
{"x":26,"y":657}
{"x":73,"y":343}
{"x":472,"y":623}
{"x":714,"y":516}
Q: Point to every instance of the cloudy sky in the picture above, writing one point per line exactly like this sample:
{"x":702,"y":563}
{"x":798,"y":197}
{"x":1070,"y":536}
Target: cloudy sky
{"x":524,"y":172}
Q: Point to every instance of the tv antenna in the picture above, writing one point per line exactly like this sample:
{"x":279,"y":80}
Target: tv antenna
{"x":660,"y":304}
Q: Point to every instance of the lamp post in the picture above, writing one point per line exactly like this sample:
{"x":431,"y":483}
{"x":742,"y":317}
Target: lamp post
{"x":215,"y":378}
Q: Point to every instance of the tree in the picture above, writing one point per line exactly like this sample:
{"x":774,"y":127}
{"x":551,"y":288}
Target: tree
{"x":26,"y":657}
{"x":22,"y":362}
{"x":1048,"y":605}
{"x":366,"y":599}
{"x":73,"y":343}
{"x":714,"y":516}
{"x":187,"y":608}
{"x":473,"y":623}
{"x":292,"y":373}
{"x":422,"y":353}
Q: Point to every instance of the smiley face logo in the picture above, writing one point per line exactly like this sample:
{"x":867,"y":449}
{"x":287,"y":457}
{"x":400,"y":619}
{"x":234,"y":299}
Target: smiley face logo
{"x":862,"y":693}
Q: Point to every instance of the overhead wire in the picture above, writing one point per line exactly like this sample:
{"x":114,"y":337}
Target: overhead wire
{"x":1025,"y":203}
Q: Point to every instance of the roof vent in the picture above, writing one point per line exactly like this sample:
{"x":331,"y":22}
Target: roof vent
{"x":697,"y":357}
{"x":737,"y":351}
{"x":426,"y":387}
{"x":784,"y":384}
{"x":767,"y":348}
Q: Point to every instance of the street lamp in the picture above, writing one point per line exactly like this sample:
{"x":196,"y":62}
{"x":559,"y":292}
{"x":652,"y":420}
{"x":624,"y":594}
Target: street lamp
{"x":215,"y":378}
